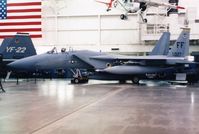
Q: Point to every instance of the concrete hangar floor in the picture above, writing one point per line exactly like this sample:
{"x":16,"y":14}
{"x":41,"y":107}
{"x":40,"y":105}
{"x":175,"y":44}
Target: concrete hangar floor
{"x":57,"y":107}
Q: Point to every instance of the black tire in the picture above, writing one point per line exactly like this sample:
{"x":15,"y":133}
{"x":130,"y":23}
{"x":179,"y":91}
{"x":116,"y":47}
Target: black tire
{"x":135,"y":80}
{"x":122,"y":81}
{"x":123,"y":17}
{"x":76,"y":80}
{"x":145,"y":20}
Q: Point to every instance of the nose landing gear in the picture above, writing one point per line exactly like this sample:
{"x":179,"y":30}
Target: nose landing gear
{"x":79,"y":77}
{"x":145,"y":20}
{"x":1,"y":87}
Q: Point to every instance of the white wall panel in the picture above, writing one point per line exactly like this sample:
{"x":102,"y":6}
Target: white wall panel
{"x":78,"y":23}
{"x":119,"y":37}
{"x":114,"y":22}
{"x":77,"y":37}
{"x":50,"y":38}
{"x":48,"y":24}
{"x":94,"y":29}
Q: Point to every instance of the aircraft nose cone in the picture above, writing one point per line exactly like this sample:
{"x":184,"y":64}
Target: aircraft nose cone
{"x":31,"y":63}
{"x":20,"y":66}
{"x":15,"y":65}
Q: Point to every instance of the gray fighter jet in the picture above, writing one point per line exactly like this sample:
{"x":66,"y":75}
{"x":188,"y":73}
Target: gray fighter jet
{"x":98,"y":65}
{"x":78,"y":59}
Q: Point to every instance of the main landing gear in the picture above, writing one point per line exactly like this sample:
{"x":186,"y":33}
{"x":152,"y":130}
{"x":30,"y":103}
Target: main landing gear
{"x":143,"y":19}
{"x":135,"y":80}
{"x":125,"y":17}
{"x":122,"y":81}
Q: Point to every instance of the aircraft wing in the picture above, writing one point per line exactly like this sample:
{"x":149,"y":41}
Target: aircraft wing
{"x":157,"y":4}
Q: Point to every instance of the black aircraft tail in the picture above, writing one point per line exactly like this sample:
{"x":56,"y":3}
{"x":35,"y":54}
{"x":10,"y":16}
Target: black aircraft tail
{"x":162,"y":45}
{"x":17,"y":47}
{"x":181,"y":46}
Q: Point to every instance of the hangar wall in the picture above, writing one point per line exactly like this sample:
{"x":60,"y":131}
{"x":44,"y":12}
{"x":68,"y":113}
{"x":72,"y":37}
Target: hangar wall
{"x":82,"y":24}
{"x":92,"y":27}
{"x":91,"y":30}
{"x":86,"y":25}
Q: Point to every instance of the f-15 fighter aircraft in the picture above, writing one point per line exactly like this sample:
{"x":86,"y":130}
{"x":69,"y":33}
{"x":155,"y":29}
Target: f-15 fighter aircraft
{"x":99,"y":65}
{"x":77,"y":59}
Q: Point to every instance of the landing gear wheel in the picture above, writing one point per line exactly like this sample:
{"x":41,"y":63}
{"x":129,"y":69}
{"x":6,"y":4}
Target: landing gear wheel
{"x":145,"y":20}
{"x":135,"y":80}
{"x":122,"y":81}
{"x":123,"y":17}
{"x":76,"y":80}
{"x":108,"y":10}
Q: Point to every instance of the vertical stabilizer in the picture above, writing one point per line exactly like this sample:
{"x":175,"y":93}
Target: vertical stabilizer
{"x":17,"y":47}
{"x":162,"y":45}
{"x":181,"y":46}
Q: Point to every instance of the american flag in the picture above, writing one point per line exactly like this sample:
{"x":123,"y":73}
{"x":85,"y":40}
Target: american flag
{"x":20,"y":16}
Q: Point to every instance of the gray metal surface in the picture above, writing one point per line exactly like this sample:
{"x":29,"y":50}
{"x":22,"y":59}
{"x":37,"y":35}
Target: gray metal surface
{"x":56,"y":107}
